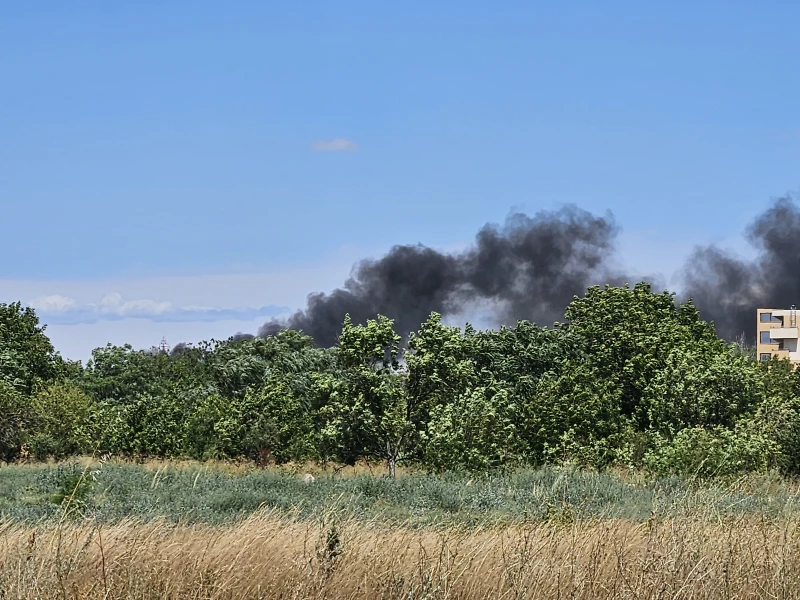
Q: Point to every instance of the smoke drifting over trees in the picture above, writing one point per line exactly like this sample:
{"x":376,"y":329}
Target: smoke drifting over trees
{"x":532,"y":266}
{"x":727,"y":290}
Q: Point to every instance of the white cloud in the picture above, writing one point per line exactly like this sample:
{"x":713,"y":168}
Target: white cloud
{"x":53,"y":304}
{"x":113,"y":307}
{"x":183,"y":308}
{"x":202,"y":292}
{"x":335,"y":145}
{"x":113,"y":304}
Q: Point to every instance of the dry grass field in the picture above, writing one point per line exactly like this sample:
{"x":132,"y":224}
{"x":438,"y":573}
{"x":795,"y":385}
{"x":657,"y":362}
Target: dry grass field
{"x":270,"y":556}
{"x":114,"y":531}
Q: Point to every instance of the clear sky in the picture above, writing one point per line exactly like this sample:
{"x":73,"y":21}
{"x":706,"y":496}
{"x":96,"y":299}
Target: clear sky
{"x":189,"y":168}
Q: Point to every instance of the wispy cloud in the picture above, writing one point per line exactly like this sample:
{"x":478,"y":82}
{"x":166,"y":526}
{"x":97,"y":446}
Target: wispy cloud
{"x":114,"y":305}
{"x":335,"y":145}
{"x":53,"y":304}
{"x":202,"y":306}
{"x":62,"y":310}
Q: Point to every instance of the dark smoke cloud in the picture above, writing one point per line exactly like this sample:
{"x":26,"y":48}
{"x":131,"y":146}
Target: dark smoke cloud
{"x":728,"y":290}
{"x":530,"y":268}
{"x":242,"y":337}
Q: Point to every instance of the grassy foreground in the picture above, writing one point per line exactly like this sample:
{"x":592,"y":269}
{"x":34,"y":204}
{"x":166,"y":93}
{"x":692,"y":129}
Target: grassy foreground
{"x":267,"y":556}
{"x":196,"y":493}
{"x":194,"y":531}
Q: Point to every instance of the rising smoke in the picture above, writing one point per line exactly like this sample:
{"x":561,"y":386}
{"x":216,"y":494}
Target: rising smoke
{"x":727,"y":289}
{"x":530,"y":268}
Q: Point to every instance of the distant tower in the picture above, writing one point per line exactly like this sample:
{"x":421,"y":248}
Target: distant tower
{"x":164,"y":346}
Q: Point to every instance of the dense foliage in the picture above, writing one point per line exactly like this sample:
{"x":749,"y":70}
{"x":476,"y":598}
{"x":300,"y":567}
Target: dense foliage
{"x":629,"y":378}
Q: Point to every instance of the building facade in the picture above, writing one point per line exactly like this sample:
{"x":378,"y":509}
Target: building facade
{"x":777,"y":334}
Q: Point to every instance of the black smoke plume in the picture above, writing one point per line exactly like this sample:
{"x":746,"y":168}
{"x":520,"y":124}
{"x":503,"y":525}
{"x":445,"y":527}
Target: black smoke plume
{"x":530,"y":268}
{"x":242,"y":337}
{"x":728,"y":290}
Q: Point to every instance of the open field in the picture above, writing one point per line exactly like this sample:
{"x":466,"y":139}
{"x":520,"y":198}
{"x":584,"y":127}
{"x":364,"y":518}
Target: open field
{"x":191,"y":531}
{"x":217,"y":493}
{"x":267,"y":556}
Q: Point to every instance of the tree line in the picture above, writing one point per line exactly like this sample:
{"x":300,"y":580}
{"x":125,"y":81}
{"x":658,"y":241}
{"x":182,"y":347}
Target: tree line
{"x":629,"y":378}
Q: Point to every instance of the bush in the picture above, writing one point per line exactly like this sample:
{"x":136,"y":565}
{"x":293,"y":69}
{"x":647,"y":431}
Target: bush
{"x":15,"y":416}
{"x":62,"y":419}
{"x":714,"y":452}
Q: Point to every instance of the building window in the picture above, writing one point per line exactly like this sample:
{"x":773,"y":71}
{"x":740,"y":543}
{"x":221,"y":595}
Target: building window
{"x":768,"y":318}
{"x":765,"y":339}
{"x":765,"y":357}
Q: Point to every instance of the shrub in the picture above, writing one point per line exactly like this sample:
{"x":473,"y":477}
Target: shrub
{"x":15,"y":416}
{"x":62,"y":417}
{"x":703,"y":453}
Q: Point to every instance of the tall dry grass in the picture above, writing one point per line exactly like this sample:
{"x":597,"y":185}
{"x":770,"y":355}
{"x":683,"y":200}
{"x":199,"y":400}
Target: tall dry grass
{"x":269,"y":556}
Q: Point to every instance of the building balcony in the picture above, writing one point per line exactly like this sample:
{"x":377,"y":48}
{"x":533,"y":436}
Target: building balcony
{"x":783,"y":333}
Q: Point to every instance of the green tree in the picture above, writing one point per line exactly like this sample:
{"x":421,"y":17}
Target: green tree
{"x":120,"y":374}
{"x":144,"y":425}
{"x":27,"y":356}
{"x":278,"y":423}
{"x":777,"y":414}
{"x":573,"y":416}
{"x":62,"y":421}
{"x":712,"y":452}
{"x":269,"y":422}
{"x":701,"y":386}
{"x":240,"y":365}
{"x":211,"y":428}
{"x":367,"y":412}
{"x":441,"y":367}
{"x":15,"y":422}
{"x":630,"y":336}
{"x":476,"y":430}
{"x":493,"y":398}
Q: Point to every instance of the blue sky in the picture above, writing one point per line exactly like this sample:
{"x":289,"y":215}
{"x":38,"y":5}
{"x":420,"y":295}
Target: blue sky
{"x":189,"y":169}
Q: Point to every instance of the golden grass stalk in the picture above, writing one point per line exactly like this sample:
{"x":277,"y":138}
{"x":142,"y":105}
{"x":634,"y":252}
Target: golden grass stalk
{"x":268,"y":556}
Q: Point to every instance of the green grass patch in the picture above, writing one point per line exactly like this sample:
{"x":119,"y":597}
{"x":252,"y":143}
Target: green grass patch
{"x":114,"y":491}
